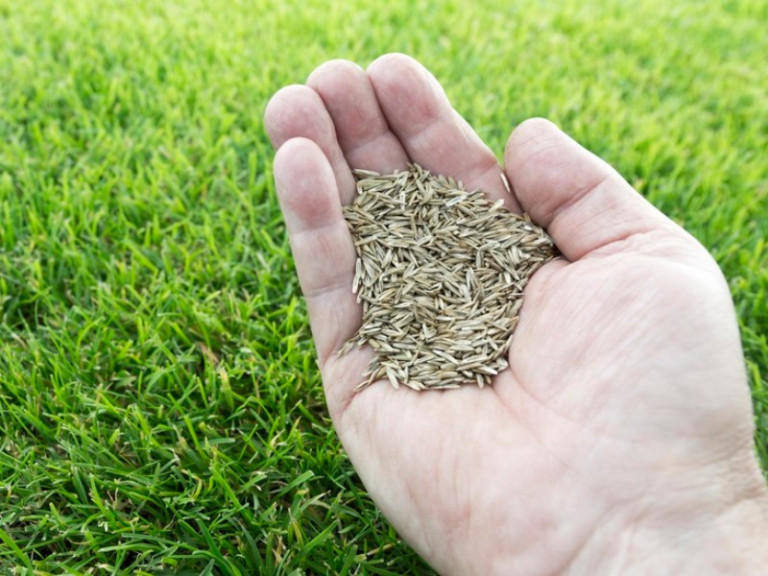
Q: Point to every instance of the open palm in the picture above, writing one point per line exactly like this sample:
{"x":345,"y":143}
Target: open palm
{"x":626,"y":394}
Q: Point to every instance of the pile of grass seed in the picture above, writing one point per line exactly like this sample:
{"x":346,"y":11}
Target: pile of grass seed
{"x":440,"y":274}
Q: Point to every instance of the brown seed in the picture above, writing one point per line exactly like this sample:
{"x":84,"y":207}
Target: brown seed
{"x":440,"y":275}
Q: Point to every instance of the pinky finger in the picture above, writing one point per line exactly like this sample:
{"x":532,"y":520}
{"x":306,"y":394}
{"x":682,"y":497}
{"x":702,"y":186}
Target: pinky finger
{"x":320,"y":241}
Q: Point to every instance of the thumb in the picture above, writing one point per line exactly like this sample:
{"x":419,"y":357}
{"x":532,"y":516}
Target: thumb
{"x":583,"y":202}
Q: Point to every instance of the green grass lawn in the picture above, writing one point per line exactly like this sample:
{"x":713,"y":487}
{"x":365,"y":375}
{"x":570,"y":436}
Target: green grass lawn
{"x":160,"y":408}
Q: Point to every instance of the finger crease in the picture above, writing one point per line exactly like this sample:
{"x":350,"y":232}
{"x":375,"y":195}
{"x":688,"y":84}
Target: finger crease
{"x":323,"y":291}
{"x":366,"y":141}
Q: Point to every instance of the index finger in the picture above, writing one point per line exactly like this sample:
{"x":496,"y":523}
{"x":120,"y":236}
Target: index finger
{"x":433,"y":134}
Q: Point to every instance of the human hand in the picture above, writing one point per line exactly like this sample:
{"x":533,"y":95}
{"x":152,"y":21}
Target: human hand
{"x":621,"y":437}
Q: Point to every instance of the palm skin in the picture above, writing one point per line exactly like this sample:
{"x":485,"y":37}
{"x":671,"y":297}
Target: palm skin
{"x":622,"y":431}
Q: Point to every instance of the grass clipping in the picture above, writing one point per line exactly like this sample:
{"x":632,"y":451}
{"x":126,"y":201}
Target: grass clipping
{"x":440,"y":273}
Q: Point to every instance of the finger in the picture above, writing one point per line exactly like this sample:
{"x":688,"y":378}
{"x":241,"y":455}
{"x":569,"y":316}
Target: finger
{"x":320,"y":242}
{"x":298,"y":112}
{"x":361,"y":129}
{"x":583,"y":202}
{"x":431,"y":131}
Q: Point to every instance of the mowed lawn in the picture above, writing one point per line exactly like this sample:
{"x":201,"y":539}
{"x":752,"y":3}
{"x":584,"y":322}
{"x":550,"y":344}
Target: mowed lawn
{"x":160,"y":406}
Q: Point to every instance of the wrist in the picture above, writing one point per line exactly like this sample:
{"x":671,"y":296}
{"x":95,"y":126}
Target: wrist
{"x":714,"y":527}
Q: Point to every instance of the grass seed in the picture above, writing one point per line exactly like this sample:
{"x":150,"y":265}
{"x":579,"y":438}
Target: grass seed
{"x":440,"y":273}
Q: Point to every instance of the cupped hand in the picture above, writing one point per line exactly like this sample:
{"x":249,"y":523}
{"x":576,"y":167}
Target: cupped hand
{"x":621,"y":436}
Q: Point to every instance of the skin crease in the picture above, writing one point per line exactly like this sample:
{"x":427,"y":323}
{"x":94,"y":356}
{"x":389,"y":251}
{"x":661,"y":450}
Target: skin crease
{"x":621,"y":438}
